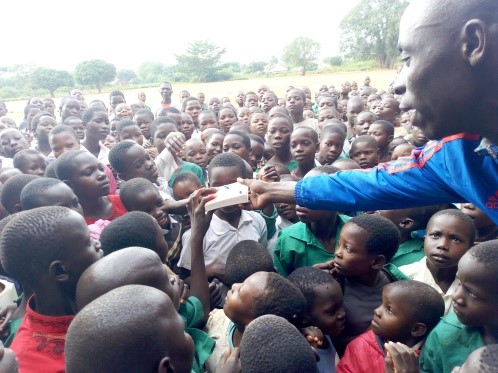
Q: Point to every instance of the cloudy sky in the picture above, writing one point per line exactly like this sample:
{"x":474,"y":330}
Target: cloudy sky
{"x":59,"y":34}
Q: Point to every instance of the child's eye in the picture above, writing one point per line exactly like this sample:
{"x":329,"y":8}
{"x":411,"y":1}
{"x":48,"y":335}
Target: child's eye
{"x":389,"y":310}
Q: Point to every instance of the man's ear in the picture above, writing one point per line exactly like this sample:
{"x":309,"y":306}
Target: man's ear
{"x":419,"y":330}
{"x":379,"y":262}
{"x":390,"y":138}
{"x":474,"y":41}
{"x":407,"y":223}
{"x":57,"y":271}
{"x":165,"y":366}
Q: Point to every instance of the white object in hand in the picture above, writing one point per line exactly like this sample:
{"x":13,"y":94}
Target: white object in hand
{"x":229,"y":195}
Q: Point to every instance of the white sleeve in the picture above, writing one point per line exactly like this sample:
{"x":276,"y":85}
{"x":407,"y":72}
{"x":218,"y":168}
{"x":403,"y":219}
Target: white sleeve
{"x":185,"y":256}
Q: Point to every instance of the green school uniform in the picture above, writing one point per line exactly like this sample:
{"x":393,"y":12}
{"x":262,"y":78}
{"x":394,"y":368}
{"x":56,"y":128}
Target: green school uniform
{"x":270,"y":221}
{"x":448,"y":345}
{"x":409,"y":252}
{"x":192,"y":314}
{"x":298,"y":247}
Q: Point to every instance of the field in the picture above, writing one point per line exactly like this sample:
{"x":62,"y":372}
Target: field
{"x":380,"y":79}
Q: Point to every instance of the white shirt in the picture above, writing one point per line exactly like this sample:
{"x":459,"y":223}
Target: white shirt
{"x":166,"y":164}
{"x":221,"y":237}
{"x":307,"y":122}
{"x":280,"y":224}
{"x":419,"y":271}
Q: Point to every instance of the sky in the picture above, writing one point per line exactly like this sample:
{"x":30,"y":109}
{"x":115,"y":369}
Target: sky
{"x":60,"y":34}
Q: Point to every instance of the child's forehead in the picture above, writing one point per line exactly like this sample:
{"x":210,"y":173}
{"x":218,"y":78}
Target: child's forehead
{"x":300,"y":133}
{"x":194,"y":144}
{"x":363,"y":145}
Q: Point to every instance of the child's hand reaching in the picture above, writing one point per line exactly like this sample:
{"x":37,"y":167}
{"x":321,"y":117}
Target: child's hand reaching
{"x":314,"y":336}
{"x":268,"y":173}
{"x":400,"y":359}
{"x":215,"y":293}
{"x":175,"y":142}
{"x":5,"y":316}
{"x":199,"y":219}
{"x":229,"y":362}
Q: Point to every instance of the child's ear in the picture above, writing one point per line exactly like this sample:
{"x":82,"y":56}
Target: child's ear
{"x":165,"y":366}
{"x":407,"y":223}
{"x":17,"y":207}
{"x":419,"y":330}
{"x":379,"y":262}
{"x":474,"y":41}
{"x":57,"y":271}
{"x":390,"y":138}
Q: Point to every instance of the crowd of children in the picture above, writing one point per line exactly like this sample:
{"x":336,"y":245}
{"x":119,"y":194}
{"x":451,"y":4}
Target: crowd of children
{"x":117,"y":265}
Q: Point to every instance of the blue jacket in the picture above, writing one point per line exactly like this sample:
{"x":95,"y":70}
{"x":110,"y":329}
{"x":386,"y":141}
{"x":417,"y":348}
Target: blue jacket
{"x":447,"y":170}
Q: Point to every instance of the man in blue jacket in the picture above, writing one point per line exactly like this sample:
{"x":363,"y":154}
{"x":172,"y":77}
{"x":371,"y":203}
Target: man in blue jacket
{"x":450,"y":77}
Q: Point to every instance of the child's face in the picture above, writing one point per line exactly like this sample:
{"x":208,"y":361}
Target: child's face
{"x":71,"y":109}
{"x":243,"y":115}
{"x":139,"y":164}
{"x":201,"y":97}
{"x":386,"y":110}
{"x":187,"y":127}
{"x":61,"y":195}
{"x":220,"y":176}
{"x":331,"y":146}
{"x":268,"y":101}
{"x":475,"y":301}
{"x":279,"y":133}
{"x":261,"y":91}
{"x":380,"y":135}
{"x":44,"y":127}
{"x":193,"y":109}
{"x":214,"y":104}
{"x":402,"y":150}
{"x":132,"y":133}
{"x":286,"y":211}
{"x":62,"y":142}
{"x":294,"y":102}
{"x":308,"y":114}
{"x":12,"y":142}
{"x":195,"y":152}
{"x":214,"y":146}
{"x":446,"y":241}
{"x":365,"y":154}
{"x":419,"y":139}
{"x":110,"y":142}
{"x":226,"y":119}
{"x":151,"y":202}
{"x":373,"y":103}
{"x":251,"y":100}
{"x":162,"y":131}
{"x":302,"y":145}
{"x":98,"y":127}
{"x":143,"y":121}
{"x":78,"y":127}
{"x":183,"y":189}
{"x":239,"y":305}
{"x":406,"y":121}
{"x":33,"y":165}
{"x":363,"y":123}
{"x":326,"y":103}
{"x":114,"y":101}
{"x":256,"y":156}
{"x":123,"y":111}
{"x":393,"y":319}
{"x":207,"y":120}
{"x":259,"y":124}
{"x":233,"y":144}
{"x":351,"y":257}
{"x":328,"y":312}
{"x":326,"y":114}
{"x":88,"y":179}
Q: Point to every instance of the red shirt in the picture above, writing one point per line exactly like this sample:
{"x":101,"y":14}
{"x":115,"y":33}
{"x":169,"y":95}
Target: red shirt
{"x":118,"y":209}
{"x":39,"y":343}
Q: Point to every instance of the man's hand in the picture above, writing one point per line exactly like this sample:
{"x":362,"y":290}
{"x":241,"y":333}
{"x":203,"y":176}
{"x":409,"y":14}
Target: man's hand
{"x":400,"y":359}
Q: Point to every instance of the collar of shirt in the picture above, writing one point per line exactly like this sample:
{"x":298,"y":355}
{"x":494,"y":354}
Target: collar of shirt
{"x":222,"y":227}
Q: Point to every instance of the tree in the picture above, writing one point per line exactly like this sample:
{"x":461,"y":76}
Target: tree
{"x":370,"y":31}
{"x":256,"y":67}
{"x":151,"y":72}
{"x":126,"y":75}
{"x":201,"y":61}
{"x":51,"y":79}
{"x":301,"y":53}
{"x":95,"y":72}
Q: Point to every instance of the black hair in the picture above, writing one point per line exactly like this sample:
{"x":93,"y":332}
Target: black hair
{"x":250,"y":93}
{"x":146,"y":112}
{"x":187,"y":176}
{"x":245,"y":138}
{"x":423,"y":300}
{"x":165,"y":110}
{"x":320,"y":170}
{"x":246,"y":258}
{"x":382,"y":234}
{"x":488,"y":361}
{"x":282,"y":298}
{"x":310,"y":131}
{"x":284,"y":116}
{"x":333,"y":129}
{"x":70,"y":119}
{"x":300,"y":92}
{"x":63,"y":128}
{"x":387,"y":126}
{"x":116,"y":93}
{"x":160,"y":120}
{"x":346,"y":161}
{"x":307,"y":279}
{"x":101,"y":334}
{"x":11,"y":192}
{"x":239,"y":127}
{"x":334,"y":100}
{"x":88,"y":113}
{"x":20,"y":157}
{"x":50,"y":170}
{"x":275,"y":98}
{"x":135,"y":228}
{"x":116,"y":155}
{"x":37,"y":118}
{"x":65,"y":164}
{"x":256,"y":138}
{"x":31,"y":241}
{"x":98,"y":101}
{"x":215,"y":132}
{"x":459,"y":215}
{"x":228,"y":160}
{"x":30,"y":194}
{"x":122,"y":124}
{"x":132,"y":188}
{"x":187,"y":100}
{"x":370,"y":140}
{"x":272,"y":344}
{"x":27,"y":108}
{"x":486,"y":253}
{"x":229,"y":108}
